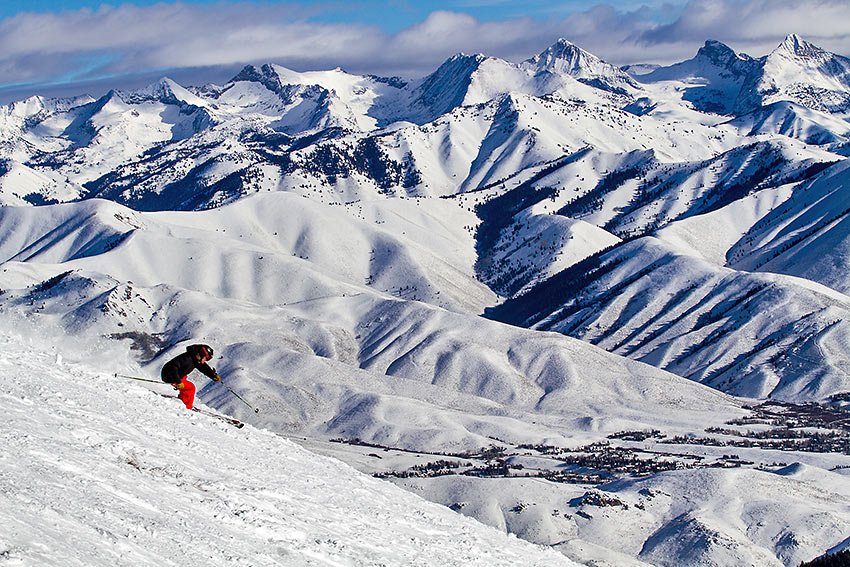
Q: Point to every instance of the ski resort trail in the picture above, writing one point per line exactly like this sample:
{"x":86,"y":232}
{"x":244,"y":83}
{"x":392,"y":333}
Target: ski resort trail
{"x":100,"y":473}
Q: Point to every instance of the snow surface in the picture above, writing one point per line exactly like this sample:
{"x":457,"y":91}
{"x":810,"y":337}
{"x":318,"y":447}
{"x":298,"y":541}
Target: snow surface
{"x":325,"y":356}
{"x":704,"y":517}
{"x":357,"y":228}
{"x":96,"y":471}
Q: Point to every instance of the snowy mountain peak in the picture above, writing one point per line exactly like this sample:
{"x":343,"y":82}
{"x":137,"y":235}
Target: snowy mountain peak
{"x":446,"y":88}
{"x":165,"y":91}
{"x":315,"y":100}
{"x":265,"y":75}
{"x":34,"y":108}
{"x":719,"y":80}
{"x":27,"y":107}
{"x":722,"y":55}
{"x":459,"y":66}
{"x":802,"y":72}
{"x":715,"y":68}
{"x":566,"y":58}
{"x":795,"y":52}
{"x":798,"y":47}
{"x":111,"y":96}
{"x":165,"y":86}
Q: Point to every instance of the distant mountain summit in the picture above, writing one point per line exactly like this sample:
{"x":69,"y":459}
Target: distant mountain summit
{"x":801,"y":72}
{"x":713,"y":59}
{"x":566,"y":58}
{"x":448,"y":86}
{"x":721,"y":81}
{"x":713,"y":78}
{"x":265,"y":75}
{"x":796,"y":46}
{"x":724,"y":57}
{"x":312,"y":101}
{"x":166,"y":91}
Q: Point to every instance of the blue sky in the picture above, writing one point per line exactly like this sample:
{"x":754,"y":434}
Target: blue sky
{"x":67,"y":46}
{"x":389,"y":15}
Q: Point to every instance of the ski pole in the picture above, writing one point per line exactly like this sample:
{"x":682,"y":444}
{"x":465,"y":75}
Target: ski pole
{"x":256,"y":410}
{"x":137,"y":378}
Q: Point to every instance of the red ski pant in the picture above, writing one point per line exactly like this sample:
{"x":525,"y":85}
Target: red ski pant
{"x":186,"y":392}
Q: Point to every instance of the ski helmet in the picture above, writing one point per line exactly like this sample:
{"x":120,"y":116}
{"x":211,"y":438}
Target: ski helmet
{"x":206,"y":351}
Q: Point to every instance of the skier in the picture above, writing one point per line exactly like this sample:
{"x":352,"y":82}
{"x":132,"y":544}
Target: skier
{"x":176,"y":370}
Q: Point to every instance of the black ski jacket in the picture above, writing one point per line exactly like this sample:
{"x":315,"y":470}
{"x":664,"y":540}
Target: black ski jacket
{"x":180,"y":366}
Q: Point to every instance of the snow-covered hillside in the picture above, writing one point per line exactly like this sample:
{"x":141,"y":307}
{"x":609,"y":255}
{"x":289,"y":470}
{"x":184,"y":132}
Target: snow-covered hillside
{"x":650,"y":247}
{"x":99,"y":472}
{"x":709,"y":297}
{"x":339,"y":331}
{"x":703,"y":517}
{"x":720,"y":80}
{"x":803,"y":72}
{"x":327,"y":354}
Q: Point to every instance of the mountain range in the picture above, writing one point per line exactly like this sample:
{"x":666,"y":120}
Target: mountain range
{"x":520,"y":274}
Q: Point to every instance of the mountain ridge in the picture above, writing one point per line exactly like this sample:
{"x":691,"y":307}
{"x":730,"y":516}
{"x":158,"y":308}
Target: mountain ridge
{"x":660,"y":261}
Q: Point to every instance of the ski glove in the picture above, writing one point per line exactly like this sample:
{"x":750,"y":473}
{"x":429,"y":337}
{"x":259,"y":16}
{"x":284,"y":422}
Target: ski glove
{"x":217,"y":378}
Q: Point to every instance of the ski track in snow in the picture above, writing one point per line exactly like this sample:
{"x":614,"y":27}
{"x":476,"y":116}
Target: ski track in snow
{"x":98,"y":472}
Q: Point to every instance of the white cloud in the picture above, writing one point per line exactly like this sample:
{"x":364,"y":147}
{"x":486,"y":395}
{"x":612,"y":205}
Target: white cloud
{"x":756,"y":26}
{"x":112,"y":41}
{"x":443,"y":34}
{"x":177,"y":35}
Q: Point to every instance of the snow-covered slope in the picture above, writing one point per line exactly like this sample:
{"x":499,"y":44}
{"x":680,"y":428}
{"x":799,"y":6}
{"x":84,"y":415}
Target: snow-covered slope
{"x":693,"y":517}
{"x":719,"y":80}
{"x":21,"y":185}
{"x":327,"y":323}
{"x":802,"y":72}
{"x":325,"y":357}
{"x":566,"y":58}
{"x":99,"y":472}
{"x":755,"y":335}
{"x":258,"y":248}
{"x":790,"y":119}
{"x":338,"y":236}
{"x":712,"y":80}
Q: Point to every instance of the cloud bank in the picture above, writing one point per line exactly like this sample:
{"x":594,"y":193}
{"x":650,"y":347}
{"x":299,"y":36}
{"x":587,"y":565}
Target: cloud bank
{"x":111,"y":43}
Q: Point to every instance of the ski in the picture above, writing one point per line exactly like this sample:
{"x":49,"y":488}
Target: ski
{"x":225,"y":418}
{"x":231,"y":420}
